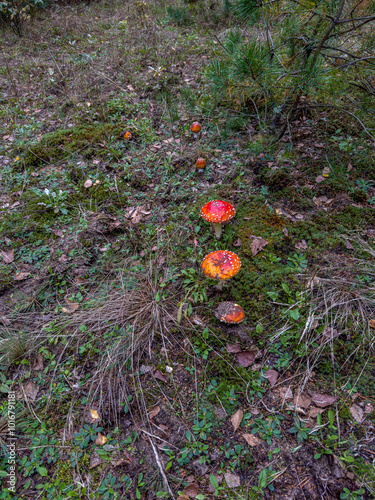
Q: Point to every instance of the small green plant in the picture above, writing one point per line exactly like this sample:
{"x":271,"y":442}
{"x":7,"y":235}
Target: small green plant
{"x":195,"y":288}
{"x":294,"y":300}
{"x":267,"y":429}
{"x":109,"y":485}
{"x":264,"y":480}
{"x":302,"y":433}
{"x":86,"y":435}
{"x":202,"y":425}
{"x":52,"y":200}
{"x":214,"y":482}
{"x":192,"y":448}
{"x":344,"y":143}
{"x":201,"y":347}
{"x":297,"y":262}
{"x":237,"y":454}
{"x":346,"y":494}
{"x":364,"y":185}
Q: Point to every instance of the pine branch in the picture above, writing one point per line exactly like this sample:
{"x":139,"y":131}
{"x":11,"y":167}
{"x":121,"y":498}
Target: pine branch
{"x":328,"y":32}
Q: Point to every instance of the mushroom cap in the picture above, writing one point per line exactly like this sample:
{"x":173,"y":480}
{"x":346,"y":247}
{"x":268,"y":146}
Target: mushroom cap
{"x":218,"y":211}
{"x":195,"y":127}
{"x":229,"y":312}
{"x":221,"y":265}
{"x":200,"y":163}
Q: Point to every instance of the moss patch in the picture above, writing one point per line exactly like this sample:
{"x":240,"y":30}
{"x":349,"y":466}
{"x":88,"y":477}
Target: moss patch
{"x":87,"y":140}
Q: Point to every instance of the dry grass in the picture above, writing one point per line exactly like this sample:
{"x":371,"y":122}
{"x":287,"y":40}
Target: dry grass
{"x":119,"y":330}
{"x":343,"y":300}
{"x":14,"y":345}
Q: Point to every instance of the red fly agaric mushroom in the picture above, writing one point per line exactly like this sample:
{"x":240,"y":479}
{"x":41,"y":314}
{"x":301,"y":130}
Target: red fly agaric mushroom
{"x":229,"y":312}
{"x":200,"y":164}
{"x":221,"y":265}
{"x":218,"y":212}
{"x":195,"y":128}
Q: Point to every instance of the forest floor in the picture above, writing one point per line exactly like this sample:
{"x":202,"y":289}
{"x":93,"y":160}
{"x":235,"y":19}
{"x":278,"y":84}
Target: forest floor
{"x":125,"y":384}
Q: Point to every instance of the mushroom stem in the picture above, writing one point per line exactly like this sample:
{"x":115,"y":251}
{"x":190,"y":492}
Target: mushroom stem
{"x":218,"y":229}
{"x":195,"y":135}
{"x":220,"y":285}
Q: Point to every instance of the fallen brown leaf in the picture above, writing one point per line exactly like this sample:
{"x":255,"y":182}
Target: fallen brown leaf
{"x":314,"y":412}
{"x":285,"y":392}
{"x":100,"y":440}
{"x":301,"y":245}
{"x":236,"y":419}
{"x":38,"y":362}
{"x":323,"y":400}
{"x":58,"y":232}
{"x":272,"y":376}
{"x":302,"y":400}
{"x":233,"y":348}
{"x":88,"y":183}
{"x":92,"y":416}
{"x":7,"y":257}
{"x":232,"y":480}
{"x":319,"y":179}
{"x":357,"y":413}
{"x":348,"y":245}
{"x":95,"y":460}
{"x":251,"y":440}
{"x":257,"y":245}
{"x":369,"y":408}
{"x":71,"y":306}
{"x":30,"y":390}
{"x":372,"y":323}
{"x":245,"y":358}
{"x":153,"y":411}
{"x":191,"y":490}
{"x":237,"y":243}
{"x":160,"y":376}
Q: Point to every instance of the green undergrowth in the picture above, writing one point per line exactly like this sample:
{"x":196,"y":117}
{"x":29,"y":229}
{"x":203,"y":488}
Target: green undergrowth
{"x":81,"y":247}
{"x":87,"y":140}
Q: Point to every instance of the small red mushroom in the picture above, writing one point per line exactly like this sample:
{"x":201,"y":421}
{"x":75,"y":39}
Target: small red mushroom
{"x":229,"y":312}
{"x":200,"y":164}
{"x":195,"y":128}
{"x":218,"y":212}
{"x":221,"y":265}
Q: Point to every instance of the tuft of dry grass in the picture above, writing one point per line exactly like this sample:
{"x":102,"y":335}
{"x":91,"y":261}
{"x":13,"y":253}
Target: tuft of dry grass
{"x":342,"y":298}
{"x":124,"y":324}
{"x":14,"y":345}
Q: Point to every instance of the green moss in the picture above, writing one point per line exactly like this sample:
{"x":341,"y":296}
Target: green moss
{"x":6,"y":277}
{"x":349,"y":217}
{"x":276,"y":179}
{"x":87,"y":140}
{"x":359,"y":196}
{"x":63,"y":472}
{"x":344,"y":413}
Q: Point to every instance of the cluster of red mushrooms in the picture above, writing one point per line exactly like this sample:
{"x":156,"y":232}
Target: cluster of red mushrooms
{"x":222,"y":264}
{"x":201,"y":162}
